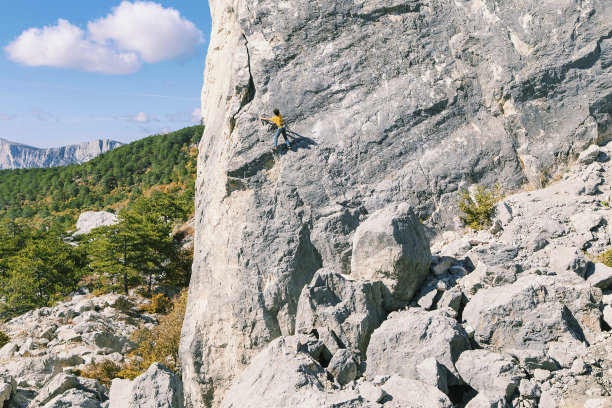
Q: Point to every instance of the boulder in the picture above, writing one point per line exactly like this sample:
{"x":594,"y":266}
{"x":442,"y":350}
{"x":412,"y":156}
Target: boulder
{"x":391,"y":246}
{"x":340,"y":310}
{"x":600,"y":276}
{"x":568,"y":259}
{"x":32,"y":371}
{"x":8,"y":388}
{"x":280,"y":376}
{"x":158,"y":387}
{"x":533,"y":311}
{"x":487,"y":399}
{"x":490,"y":372}
{"x":342,"y":366}
{"x":409,"y":337}
{"x":433,"y":373}
{"x":109,"y":343}
{"x":94,"y":219}
{"x":371,"y":392}
{"x":74,"y":398}
{"x":607,"y":315}
{"x":407,"y":391}
{"x":57,"y":386}
{"x":589,"y":155}
{"x":486,"y":276}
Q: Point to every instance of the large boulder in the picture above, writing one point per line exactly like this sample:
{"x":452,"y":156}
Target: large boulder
{"x":8,"y":388}
{"x":489,"y":372}
{"x":32,"y":371}
{"x":409,"y":337}
{"x":533,"y":311}
{"x":158,"y":387}
{"x":391,"y":246}
{"x":94,"y":219}
{"x":340,"y":310}
{"x":281,"y":376}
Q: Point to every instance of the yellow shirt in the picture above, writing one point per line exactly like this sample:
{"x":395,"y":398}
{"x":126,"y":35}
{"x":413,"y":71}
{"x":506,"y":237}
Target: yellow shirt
{"x":278,"y":119}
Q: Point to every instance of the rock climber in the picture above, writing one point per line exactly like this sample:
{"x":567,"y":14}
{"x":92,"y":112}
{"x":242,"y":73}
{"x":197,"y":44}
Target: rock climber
{"x":277,"y":119}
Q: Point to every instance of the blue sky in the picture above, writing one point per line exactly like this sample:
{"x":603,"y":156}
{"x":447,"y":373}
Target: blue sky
{"x":74,"y":70}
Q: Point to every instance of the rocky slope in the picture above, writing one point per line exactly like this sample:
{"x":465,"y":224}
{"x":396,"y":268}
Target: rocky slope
{"x":48,"y":347}
{"x":517,"y":316}
{"x":18,"y":156}
{"x":388,"y":102}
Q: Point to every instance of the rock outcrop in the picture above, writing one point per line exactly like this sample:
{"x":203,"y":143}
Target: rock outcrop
{"x":19,"y":156}
{"x":387,"y":102}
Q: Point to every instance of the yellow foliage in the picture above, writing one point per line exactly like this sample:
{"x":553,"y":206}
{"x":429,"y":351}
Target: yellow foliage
{"x":159,"y":304}
{"x":478,"y":209}
{"x":103,"y":371}
{"x":159,"y":344}
{"x":4,"y":339}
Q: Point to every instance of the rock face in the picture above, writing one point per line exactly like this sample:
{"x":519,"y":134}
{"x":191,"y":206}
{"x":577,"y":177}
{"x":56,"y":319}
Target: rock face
{"x":94,"y":219}
{"x":20,"y":156}
{"x":387,"y":101}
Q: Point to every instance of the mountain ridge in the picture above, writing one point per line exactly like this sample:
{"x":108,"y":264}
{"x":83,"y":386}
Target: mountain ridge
{"x":14,"y":155}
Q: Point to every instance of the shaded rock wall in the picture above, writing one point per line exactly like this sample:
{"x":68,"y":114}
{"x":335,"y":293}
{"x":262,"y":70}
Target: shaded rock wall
{"x":387,"y":101}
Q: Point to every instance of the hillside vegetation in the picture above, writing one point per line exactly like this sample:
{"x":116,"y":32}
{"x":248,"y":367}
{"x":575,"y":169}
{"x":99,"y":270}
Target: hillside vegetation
{"x":148,"y":183}
{"x":107,"y":181}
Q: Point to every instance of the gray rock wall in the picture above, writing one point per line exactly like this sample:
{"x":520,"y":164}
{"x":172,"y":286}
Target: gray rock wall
{"x":388,"y":101}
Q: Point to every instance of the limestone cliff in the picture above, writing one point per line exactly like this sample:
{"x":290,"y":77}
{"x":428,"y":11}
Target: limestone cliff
{"x":20,"y":156}
{"x":387,"y":101}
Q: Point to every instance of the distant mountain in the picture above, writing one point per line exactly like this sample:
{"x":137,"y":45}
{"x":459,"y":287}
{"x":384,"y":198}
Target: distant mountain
{"x":19,"y":156}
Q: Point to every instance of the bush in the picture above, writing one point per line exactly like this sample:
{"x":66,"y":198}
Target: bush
{"x":159,"y":344}
{"x":478,"y":210}
{"x":4,"y":339}
{"x":606,"y":257}
{"x":159,"y":304}
{"x":103,"y":371}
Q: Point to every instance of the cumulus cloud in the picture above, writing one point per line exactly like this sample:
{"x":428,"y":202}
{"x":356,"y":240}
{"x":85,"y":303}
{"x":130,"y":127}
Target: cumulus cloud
{"x":155,"y":32}
{"x":195,"y":115}
{"x":119,"y":43}
{"x":140,"y":117}
{"x":64,"y":46}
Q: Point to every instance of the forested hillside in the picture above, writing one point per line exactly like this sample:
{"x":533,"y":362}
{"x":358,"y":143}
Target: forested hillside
{"x":149,"y":184}
{"x":116,"y":177}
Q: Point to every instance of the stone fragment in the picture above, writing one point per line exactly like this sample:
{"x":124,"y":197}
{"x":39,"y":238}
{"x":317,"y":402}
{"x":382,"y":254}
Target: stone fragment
{"x":408,"y":337}
{"x":487,"y":371}
{"x":433,"y":373}
{"x":503,"y":212}
{"x":487,"y":399}
{"x":340,"y":309}
{"x":74,"y":398}
{"x":607,"y":315}
{"x":485,"y":276}
{"x":533,"y":311}
{"x":8,"y":350}
{"x":568,"y":259}
{"x":533,"y":359}
{"x":529,"y":389}
{"x":407,"y":390}
{"x":442,"y":265}
{"x":371,"y":392}
{"x":578,"y":367}
{"x":391,"y":246}
{"x":541,"y":375}
{"x":32,"y":372}
{"x":158,"y":387}
{"x":600,"y":276}
{"x":57,"y":386}
{"x":589,"y":155}
{"x":8,"y":388}
{"x":451,"y":299}
{"x":426,"y":297}
{"x":566,"y":351}
{"x":342,"y":366}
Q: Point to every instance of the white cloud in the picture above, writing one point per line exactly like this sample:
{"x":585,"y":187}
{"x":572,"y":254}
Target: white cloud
{"x":195,"y":115}
{"x":119,"y":43}
{"x":64,"y":46}
{"x":140,"y":117}
{"x":7,"y":117}
{"x":155,"y":32}
{"x":42,"y":116}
